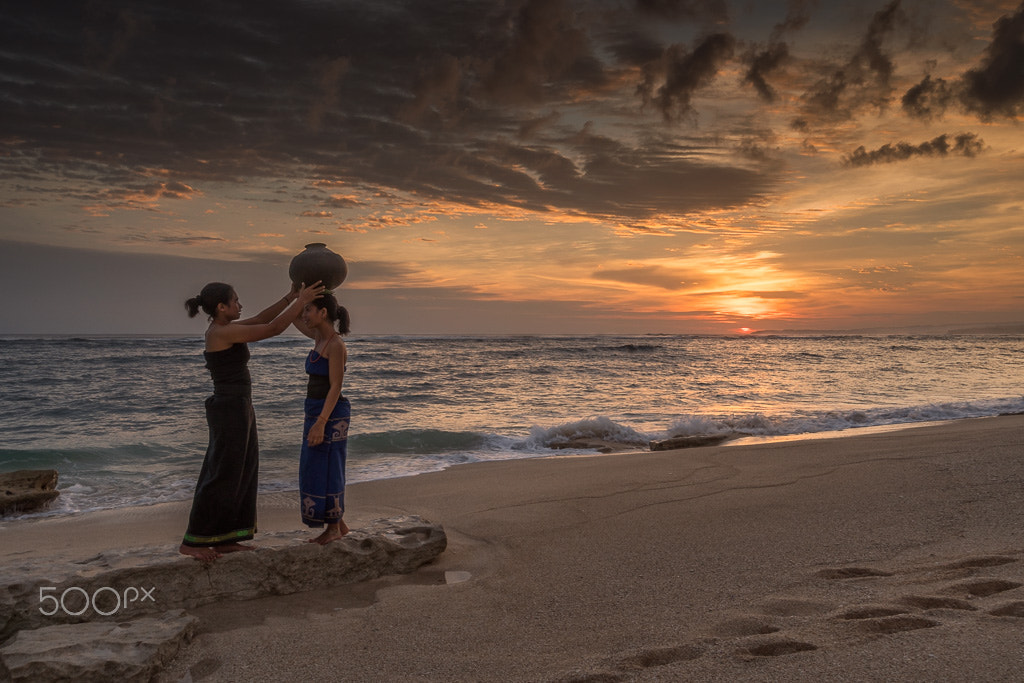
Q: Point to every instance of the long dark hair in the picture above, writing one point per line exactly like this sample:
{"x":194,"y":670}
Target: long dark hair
{"x":336,"y":313}
{"x":212,"y":294}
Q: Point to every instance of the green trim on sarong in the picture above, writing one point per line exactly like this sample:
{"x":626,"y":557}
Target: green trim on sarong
{"x":244,"y":534}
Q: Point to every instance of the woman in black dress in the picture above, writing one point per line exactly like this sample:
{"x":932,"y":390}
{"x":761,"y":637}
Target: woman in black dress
{"x":224,"y":505}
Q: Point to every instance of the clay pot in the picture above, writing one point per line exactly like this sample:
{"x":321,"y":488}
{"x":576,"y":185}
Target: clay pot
{"x":318,"y":262}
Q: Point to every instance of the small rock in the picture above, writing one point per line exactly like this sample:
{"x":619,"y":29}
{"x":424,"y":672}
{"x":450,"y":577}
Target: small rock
{"x":688,"y":442}
{"x":599,"y":445}
{"x":27,"y":490}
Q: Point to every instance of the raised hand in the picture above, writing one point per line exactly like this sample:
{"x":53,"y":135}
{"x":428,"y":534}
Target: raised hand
{"x":308,"y":294}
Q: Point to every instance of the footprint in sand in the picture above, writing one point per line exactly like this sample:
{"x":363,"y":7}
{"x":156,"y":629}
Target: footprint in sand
{"x":777,"y":647}
{"x":982,"y":561}
{"x":743,"y":626}
{"x":936,"y":602}
{"x":658,"y":656}
{"x":1012,"y":609}
{"x":756,"y":636}
{"x":981,"y":588}
{"x":626,"y":665}
{"x":882,"y":619}
{"x":897,"y":624}
{"x":794,"y":607}
{"x":871,"y":612}
{"x":851,"y":573}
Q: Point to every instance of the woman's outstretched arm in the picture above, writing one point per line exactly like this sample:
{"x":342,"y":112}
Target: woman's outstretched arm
{"x":273,"y":310}
{"x":223,"y":336}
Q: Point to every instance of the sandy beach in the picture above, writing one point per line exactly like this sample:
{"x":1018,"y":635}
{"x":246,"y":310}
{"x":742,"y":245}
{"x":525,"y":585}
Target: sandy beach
{"x":887,"y":556}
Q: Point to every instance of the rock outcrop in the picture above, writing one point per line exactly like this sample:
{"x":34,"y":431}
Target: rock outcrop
{"x":114,"y":586}
{"x":100,"y":651}
{"x":27,"y":490}
{"x":599,"y":445}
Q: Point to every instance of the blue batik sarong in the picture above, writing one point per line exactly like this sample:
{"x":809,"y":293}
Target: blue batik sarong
{"x":322,"y":467}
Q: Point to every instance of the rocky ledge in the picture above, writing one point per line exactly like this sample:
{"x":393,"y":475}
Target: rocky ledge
{"x":27,"y":490}
{"x":135,"y":650}
{"x":56,"y":615}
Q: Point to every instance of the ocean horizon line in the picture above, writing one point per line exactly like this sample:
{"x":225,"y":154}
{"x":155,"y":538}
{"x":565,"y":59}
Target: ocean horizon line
{"x":998,"y":329}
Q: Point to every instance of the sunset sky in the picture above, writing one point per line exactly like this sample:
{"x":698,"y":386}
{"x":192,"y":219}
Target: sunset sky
{"x":518,"y":166}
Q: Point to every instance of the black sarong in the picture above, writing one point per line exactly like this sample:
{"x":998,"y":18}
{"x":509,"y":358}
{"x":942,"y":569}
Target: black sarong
{"x":224,"y":506}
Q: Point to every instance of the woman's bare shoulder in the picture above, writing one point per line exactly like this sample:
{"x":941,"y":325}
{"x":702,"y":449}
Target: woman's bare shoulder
{"x":216,"y":339}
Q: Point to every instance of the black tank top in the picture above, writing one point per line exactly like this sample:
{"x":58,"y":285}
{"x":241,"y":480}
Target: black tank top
{"x":229,"y":369}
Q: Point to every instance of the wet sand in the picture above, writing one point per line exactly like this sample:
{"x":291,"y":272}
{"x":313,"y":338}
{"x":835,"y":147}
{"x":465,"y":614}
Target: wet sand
{"x":886,"y":556}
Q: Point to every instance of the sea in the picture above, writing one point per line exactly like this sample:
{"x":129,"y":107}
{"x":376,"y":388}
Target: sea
{"x":122,"y":420}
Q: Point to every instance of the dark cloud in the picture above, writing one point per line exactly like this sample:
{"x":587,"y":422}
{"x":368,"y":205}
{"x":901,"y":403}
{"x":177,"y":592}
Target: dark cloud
{"x":864,"y":80}
{"x":402,"y":95}
{"x":965,"y":144}
{"x":798,"y":13}
{"x":763,"y":61}
{"x":175,"y":190}
{"x":329,"y":74}
{"x":547,"y":45}
{"x":682,"y":72}
{"x":530,"y":128}
{"x":467,"y":101}
{"x":603,"y":177}
{"x":756,"y":150}
{"x":761,"y":64}
{"x":700,"y":10}
{"x":634,"y":47}
{"x":928,"y":99}
{"x":437,"y":92}
{"x":341,"y":202}
{"x":996,"y":87}
{"x":233,"y":84}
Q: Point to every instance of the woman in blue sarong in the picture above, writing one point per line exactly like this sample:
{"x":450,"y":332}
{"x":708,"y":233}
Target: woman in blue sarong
{"x":224,"y":505}
{"x":327,"y":412}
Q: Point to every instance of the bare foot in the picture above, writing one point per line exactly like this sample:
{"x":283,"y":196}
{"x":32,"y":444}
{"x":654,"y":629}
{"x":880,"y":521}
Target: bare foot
{"x":328,"y":536}
{"x":332,"y":533}
{"x":325,"y":537}
{"x":201,"y":554}
{"x":234,"y":548}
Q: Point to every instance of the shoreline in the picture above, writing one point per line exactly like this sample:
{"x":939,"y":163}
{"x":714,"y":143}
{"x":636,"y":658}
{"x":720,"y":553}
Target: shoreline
{"x":275,"y":501}
{"x":891,"y":556}
{"x":595,"y":447}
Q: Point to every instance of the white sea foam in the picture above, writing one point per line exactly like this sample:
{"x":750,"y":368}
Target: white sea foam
{"x":598,"y":428}
{"x":757,"y":424}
